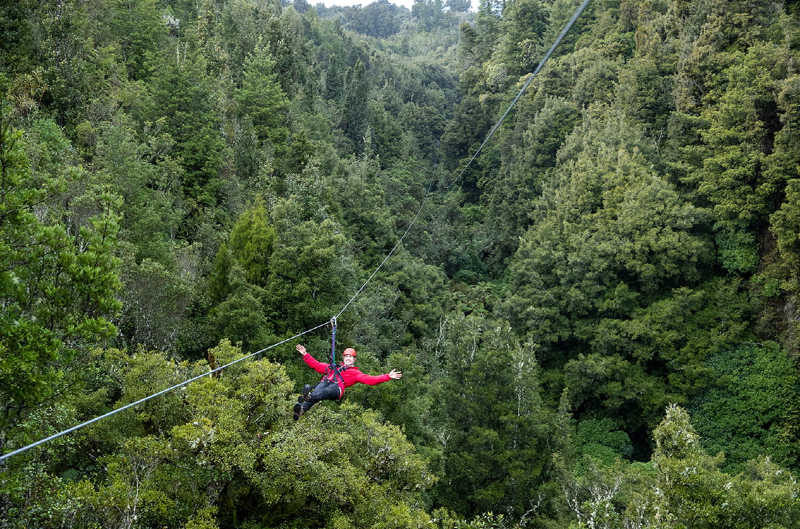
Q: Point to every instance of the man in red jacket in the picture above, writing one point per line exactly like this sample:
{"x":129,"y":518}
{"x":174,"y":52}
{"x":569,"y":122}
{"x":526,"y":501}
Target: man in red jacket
{"x":334,"y":381}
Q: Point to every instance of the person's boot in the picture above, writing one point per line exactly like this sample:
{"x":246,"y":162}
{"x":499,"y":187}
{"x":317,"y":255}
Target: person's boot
{"x":304,"y":395}
{"x":301,"y":408}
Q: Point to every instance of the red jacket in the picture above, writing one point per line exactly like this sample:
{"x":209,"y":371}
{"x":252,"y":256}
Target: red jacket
{"x":351,"y":375}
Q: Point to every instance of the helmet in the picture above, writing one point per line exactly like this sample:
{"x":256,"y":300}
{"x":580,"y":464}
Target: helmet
{"x":349,"y":351}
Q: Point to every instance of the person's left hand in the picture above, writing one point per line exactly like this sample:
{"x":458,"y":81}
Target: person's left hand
{"x":395,"y":374}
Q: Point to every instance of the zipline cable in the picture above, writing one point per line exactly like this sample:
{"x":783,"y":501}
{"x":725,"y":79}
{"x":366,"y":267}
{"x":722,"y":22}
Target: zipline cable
{"x":397,"y":244}
{"x":358,"y":292}
{"x":167,"y":390}
{"x":561,"y":35}
{"x":496,"y":126}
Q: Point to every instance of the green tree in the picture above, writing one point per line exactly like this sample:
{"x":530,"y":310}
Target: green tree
{"x":510,"y":193}
{"x":697,"y":494}
{"x":494,"y":425}
{"x":311,"y":270}
{"x":596,"y":249}
{"x":58,"y":272}
{"x":739,"y":138}
{"x":261,"y":98}
{"x":141,"y":33}
{"x":355,"y":115}
{"x":225,"y":452}
{"x":251,"y":243}
{"x":238,"y":278}
{"x":522,"y":26}
{"x":187,"y":100}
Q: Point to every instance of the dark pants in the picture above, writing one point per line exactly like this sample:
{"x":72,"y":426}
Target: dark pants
{"x":325,"y":390}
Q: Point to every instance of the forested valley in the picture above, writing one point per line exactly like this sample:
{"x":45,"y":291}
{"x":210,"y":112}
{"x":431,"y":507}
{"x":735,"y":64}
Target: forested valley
{"x":597,"y":320}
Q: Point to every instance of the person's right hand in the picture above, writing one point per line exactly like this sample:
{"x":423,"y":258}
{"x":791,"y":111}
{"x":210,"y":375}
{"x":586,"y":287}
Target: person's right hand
{"x":300,"y":349}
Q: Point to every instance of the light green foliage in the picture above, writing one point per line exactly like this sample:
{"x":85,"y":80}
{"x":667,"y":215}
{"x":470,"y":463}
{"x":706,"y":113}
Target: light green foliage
{"x":58,"y":274}
{"x":697,"y":494}
{"x":226,"y":448}
{"x":785,"y":225}
{"x":601,"y":440}
{"x":204,"y":519}
{"x":740,"y":135}
{"x":251,"y":242}
{"x":680,"y":487}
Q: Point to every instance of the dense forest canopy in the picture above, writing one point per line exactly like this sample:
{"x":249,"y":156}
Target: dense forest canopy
{"x":597,"y":321}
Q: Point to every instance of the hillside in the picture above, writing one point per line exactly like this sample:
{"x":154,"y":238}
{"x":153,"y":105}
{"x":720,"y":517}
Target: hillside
{"x":596,"y":321}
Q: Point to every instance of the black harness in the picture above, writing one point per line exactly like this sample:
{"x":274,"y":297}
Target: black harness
{"x":335,"y":371}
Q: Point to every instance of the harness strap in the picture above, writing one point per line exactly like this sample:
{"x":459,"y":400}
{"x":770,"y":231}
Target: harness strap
{"x":333,"y":342}
{"x":334,"y":370}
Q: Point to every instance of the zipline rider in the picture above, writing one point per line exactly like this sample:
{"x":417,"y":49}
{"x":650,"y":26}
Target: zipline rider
{"x":335,"y":379}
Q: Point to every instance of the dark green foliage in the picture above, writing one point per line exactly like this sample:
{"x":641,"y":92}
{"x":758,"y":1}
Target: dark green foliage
{"x":524,"y":22}
{"x":510,"y":194}
{"x":261,"y":98}
{"x":185,"y":98}
{"x":354,"y":118}
{"x":608,"y":237}
{"x":379,"y":19}
{"x":232,"y":171}
{"x":310,"y":272}
{"x":751,"y":407}
{"x":142,"y":34}
{"x":18,"y":42}
{"x":495,"y":425}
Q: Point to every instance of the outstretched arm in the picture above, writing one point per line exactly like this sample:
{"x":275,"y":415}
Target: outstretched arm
{"x":373,"y":380}
{"x":312,"y":362}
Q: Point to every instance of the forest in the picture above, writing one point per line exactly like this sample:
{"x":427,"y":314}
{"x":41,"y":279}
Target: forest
{"x":597,"y":320}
